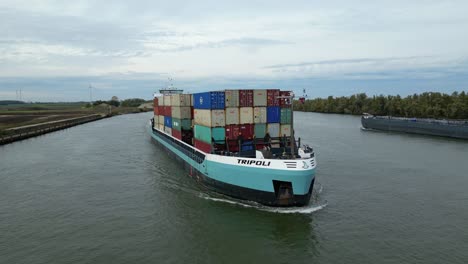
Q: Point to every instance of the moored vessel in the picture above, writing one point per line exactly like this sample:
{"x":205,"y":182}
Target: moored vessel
{"x":424,"y":126}
{"x":238,"y":143}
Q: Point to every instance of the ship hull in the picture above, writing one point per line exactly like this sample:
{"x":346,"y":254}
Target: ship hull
{"x":415,"y":126}
{"x":220,"y":174}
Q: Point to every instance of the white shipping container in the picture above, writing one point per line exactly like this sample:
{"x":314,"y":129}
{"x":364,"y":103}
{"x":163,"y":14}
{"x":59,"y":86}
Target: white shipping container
{"x":160,"y":100}
{"x":181,"y":112}
{"x":260,"y":97}
{"x":161,"y":119}
{"x":231,"y":98}
{"x":161,"y":126}
{"x":246,"y":115}
{"x":167,"y":100}
{"x":232,"y":115}
{"x":286,"y":130}
{"x":168,"y":130}
{"x":273,"y":129}
{"x":209,"y":118}
{"x":218,"y":118}
{"x":181,"y":100}
{"x":260,"y":115}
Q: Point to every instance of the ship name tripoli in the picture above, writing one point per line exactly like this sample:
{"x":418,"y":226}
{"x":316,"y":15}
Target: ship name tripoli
{"x":253,"y":162}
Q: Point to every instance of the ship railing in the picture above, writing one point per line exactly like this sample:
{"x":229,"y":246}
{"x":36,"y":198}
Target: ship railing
{"x":183,"y":147}
{"x":280,"y":147}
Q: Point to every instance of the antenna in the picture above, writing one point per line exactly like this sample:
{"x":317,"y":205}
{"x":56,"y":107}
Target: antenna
{"x":90,"y":93}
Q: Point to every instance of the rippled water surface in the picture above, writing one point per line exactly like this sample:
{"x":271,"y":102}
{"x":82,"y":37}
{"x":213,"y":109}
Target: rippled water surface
{"x":104,"y":193}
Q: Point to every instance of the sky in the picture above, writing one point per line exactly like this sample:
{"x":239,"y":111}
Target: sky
{"x":55,"y":50}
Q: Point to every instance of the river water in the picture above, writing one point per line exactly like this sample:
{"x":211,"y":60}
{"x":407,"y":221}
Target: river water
{"x":102,"y":192}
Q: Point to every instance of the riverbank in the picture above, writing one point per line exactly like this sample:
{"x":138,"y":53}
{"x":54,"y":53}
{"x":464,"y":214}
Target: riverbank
{"x":18,"y":122}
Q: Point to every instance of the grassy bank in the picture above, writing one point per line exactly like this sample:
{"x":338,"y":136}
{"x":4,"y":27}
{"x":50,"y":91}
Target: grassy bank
{"x":23,"y":114}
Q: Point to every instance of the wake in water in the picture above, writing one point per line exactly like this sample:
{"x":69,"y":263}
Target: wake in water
{"x":314,"y":205}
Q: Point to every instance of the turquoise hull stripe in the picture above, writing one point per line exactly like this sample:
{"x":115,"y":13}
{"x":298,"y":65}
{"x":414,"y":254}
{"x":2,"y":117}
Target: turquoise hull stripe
{"x":252,"y":178}
{"x":258,"y":178}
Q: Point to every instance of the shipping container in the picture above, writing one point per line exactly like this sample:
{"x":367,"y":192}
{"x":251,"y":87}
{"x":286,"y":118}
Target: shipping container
{"x":160,"y":110}
{"x":155,"y":124}
{"x":285,"y":130}
{"x":161,"y":126}
{"x":272,"y":97}
{"x":285,"y":102}
{"x":274,"y":129}
{"x":232,"y":132}
{"x":245,"y":98}
{"x":203,"y":146}
{"x":260,"y":130}
{"x":168,"y":130}
{"x":285,"y":116}
{"x":232,"y":116}
{"x":156,"y":120}
{"x":209,"y":100}
{"x":155,"y":102}
{"x":246,"y":115}
{"x":167,"y":100}
{"x":232,"y":98}
{"x":167,"y":111}
{"x":209,"y":118}
{"x":273,"y":114}
{"x":181,"y":100}
{"x":177,"y":134}
{"x":247,"y":131}
{"x":156,"y":110}
{"x":207,"y":134}
{"x":260,"y":97}
{"x":161,"y":119}
{"x":181,"y":112}
{"x":260,"y":114}
{"x":160,"y":100}
{"x":168,"y":121}
{"x":179,"y":124}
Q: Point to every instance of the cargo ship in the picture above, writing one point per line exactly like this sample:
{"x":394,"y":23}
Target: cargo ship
{"x":238,"y":143}
{"x":424,"y":126}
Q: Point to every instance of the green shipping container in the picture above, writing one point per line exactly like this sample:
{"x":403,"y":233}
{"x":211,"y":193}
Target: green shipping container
{"x":285,"y":116}
{"x":260,"y":130}
{"x":205,"y":134}
{"x":179,"y":124}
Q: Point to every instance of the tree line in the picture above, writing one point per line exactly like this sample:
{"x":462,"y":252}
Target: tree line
{"x":425,"y":105}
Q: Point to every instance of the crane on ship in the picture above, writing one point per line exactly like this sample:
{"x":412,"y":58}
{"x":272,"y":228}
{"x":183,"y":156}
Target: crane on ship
{"x":303,"y":97}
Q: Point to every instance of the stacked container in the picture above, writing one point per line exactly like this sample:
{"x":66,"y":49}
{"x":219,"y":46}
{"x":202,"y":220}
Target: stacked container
{"x":285,"y":114}
{"x":181,"y":113}
{"x":209,"y":119}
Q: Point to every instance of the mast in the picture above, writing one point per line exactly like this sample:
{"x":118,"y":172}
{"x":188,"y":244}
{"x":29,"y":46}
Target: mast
{"x":293,"y":141}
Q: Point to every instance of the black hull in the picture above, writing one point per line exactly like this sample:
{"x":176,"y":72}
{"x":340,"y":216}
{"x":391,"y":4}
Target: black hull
{"x":422,"y":127}
{"x":241,"y":193}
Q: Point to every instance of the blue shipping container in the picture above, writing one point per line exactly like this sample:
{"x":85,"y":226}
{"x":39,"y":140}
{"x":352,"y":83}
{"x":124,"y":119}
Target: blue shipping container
{"x":273,"y":114}
{"x":209,"y":100}
{"x":168,"y":121}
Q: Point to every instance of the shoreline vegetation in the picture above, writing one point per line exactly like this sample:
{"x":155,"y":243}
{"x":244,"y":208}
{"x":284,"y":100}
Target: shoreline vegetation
{"x":426,"y":105}
{"x":20,"y":120}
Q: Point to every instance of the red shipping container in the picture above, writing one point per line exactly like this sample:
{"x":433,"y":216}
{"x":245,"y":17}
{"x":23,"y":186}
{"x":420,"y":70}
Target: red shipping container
{"x":247,"y":131}
{"x":156,"y":110}
{"x":167,"y":111}
{"x":232,"y":131}
{"x":286,"y":103}
{"x":205,"y":147}
{"x":155,"y":102}
{"x":161,"y":110}
{"x":245,"y":98}
{"x":177,"y":134}
{"x":272,"y":97}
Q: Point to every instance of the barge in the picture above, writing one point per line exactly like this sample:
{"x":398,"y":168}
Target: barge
{"x":238,"y":143}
